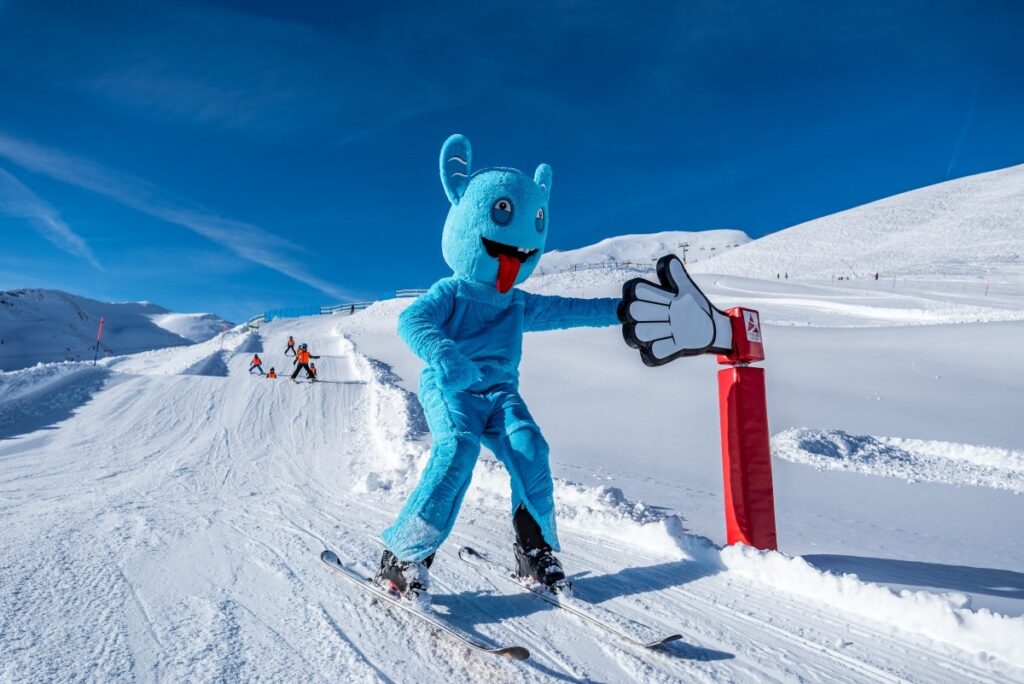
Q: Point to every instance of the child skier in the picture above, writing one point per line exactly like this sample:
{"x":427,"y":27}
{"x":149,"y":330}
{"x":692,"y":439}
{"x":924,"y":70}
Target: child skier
{"x":290,"y":347}
{"x":301,"y":361}
{"x":272,"y":374}
{"x":312,"y":368}
{"x":256,"y":364}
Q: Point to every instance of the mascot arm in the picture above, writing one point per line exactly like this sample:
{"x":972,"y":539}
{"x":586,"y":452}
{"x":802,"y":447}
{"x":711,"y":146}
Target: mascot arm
{"x":548,"y":312}
{"x":420,"y":325}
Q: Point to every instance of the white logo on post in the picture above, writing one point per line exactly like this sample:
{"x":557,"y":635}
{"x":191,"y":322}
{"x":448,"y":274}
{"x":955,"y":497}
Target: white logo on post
{"x":752,"y":325}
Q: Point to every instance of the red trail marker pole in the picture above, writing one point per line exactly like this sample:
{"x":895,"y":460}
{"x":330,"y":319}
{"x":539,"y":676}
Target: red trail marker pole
{"x":99,"y":334}
{"x":746,"y":452}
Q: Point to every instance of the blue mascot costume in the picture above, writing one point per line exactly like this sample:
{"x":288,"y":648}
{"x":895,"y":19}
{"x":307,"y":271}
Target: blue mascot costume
{"x":468,"y":328}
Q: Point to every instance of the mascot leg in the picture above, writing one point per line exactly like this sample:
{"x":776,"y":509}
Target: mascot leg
{"x":456,"y":421}
{"x":525,"y":454}
{"x":517,"y":442}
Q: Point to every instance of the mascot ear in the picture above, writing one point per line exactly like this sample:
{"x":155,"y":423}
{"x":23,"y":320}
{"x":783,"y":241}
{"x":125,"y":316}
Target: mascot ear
{"x":542,"y":177}
{"x":456,"y":155}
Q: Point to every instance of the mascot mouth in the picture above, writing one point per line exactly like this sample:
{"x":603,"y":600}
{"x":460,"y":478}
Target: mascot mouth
{"x":509,"y":258}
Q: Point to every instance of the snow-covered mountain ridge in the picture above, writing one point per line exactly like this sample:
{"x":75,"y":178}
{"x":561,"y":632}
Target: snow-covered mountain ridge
{"x":945,"y":254}
{"x":643,"y":249}
{"x":50,"y":325}
{"x":197,"y":327}
{"x":966,"y":228}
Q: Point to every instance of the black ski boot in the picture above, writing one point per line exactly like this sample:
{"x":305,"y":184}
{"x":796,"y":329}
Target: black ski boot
{"x":534,"y":558}
{"x":408,"y":579}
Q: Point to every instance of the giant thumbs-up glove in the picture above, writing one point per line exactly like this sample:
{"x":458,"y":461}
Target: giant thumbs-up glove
{"x":673,"y":318}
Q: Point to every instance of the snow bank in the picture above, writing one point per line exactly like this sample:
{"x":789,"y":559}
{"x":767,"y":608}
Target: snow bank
{"x":395,"y":424}
{"x":944,"y":617}
{"x":599,"y":512}
{"x":913,"y":460}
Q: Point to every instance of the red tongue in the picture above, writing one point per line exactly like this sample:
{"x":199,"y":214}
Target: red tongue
{"x":508,"y":269}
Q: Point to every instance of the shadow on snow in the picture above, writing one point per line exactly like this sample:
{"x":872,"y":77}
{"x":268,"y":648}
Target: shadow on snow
{"x":51,"y":401}
{"x":989,"y":581}
{"x":215,"y":365}
{"x":595,"y":589}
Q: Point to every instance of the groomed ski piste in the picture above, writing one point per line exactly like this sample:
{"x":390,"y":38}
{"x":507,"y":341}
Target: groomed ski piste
{"x":162,"y":514}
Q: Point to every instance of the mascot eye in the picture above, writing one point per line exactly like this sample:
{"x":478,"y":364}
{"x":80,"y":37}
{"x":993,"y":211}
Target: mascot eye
{"x":501,"y":212}
{"x":539,"y":222}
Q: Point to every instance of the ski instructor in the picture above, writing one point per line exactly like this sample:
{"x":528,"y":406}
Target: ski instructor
{"x":468,"y":328}
{"x":301,"y":362}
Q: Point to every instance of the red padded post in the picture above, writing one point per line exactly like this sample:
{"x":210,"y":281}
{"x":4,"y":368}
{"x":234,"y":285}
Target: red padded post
{"x":746,"y":453}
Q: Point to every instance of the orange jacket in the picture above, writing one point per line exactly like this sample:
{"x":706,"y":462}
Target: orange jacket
{"x":302,"y":356}
{"x":256,"y":361}
{"x":291,"y":341}
{"x":272,"y":374}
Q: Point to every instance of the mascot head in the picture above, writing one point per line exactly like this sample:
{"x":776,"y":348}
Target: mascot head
{"x":498,"y":222}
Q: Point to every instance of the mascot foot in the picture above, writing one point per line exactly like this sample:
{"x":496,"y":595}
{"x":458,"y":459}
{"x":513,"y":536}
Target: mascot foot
{"x":409,"y":580}
{"x":541,"y":566}
{"x":534,"y":557}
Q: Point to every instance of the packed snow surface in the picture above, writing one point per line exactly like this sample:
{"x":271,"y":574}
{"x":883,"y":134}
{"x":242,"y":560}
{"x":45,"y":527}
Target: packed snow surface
{"x":910,"y":459}
{"x":187,"y":511}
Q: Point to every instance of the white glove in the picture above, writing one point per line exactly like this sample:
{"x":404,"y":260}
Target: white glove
{"x":672,"y":319}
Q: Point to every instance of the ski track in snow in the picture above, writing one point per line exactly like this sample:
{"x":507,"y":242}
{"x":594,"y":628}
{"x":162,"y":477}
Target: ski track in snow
{"x":179,"y":541}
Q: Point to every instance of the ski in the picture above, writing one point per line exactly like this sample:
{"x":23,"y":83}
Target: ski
{"x":595,"y":615}
{"x":332,"y":561}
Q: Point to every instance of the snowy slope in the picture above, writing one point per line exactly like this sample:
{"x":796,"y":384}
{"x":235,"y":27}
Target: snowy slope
{"x":48,"y":325}
{"x":968,"y":228}
{"x":644,"y":248}
{"x":187,"y":511}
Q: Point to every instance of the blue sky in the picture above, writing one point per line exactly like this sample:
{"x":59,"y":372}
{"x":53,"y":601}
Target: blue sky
{"x":236,"y":157}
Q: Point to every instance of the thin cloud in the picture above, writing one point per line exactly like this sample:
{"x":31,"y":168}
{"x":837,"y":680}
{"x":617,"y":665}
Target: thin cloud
{"x":259,"y":75}
{"x":18,"y":200}
{"x":961,"y":136}
{"x":238,"y":236}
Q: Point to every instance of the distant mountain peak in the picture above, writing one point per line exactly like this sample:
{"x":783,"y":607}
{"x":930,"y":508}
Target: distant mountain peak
{"x":40,"y":325}
{"x":967,"y":227}
{"x":644,"y":249}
